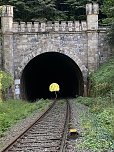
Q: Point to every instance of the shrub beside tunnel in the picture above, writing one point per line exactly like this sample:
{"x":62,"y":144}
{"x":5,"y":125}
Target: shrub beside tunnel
{"x":47,"y":68}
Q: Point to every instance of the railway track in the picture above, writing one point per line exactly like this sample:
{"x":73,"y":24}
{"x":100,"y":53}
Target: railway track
{"x":47,"y":134}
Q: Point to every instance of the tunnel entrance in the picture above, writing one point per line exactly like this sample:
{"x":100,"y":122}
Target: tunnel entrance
{"x":47,"y":68}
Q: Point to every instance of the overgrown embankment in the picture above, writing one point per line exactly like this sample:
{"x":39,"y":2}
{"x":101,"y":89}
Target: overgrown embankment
{"x":12,"y":111}
{"x":98,"y":125}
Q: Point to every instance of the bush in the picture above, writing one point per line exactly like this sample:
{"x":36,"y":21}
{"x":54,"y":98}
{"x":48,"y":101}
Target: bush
{"x":6,"y":81}
{"x":102,"y":81}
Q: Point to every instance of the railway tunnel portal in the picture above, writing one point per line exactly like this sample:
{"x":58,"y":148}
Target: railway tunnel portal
{"x":48,"y":68}
{"x":26,"y":52}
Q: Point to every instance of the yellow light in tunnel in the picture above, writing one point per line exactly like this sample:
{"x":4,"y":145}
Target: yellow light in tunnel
{"x":54,"y":87}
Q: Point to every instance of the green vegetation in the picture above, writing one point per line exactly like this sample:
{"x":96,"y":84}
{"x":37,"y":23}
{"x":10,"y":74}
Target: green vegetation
{"x":14,"y":110}
{"x":102,"y":81}
{"x":98,"y":124}
{"x":108,"y":9}
{"x":6,"y":81}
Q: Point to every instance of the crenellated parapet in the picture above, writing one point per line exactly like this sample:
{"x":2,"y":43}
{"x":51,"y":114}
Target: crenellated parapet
{"x":92,"y":11}
{"x":56,"y":26}
{"x":8,"y":25}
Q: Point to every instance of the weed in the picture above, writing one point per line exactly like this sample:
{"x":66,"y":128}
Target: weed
{"x":12,"y":111}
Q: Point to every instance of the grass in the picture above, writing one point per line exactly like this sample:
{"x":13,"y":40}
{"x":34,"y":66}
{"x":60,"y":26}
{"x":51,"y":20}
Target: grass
{"x":12,"y":111}
{"x":98,"y":124}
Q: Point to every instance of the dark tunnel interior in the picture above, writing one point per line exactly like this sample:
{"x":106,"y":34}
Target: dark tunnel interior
{"x":48,"y":68}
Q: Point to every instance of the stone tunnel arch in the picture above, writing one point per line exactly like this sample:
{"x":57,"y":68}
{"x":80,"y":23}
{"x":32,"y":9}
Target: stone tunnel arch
{"x":47,"y":68}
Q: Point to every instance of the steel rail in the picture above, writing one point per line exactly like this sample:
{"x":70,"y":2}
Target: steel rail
{"x":63,"y":142}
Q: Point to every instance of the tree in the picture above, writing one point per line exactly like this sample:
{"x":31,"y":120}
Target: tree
{"x":108,"y":9}
{"x":28,"y":10}
{"x":77,"y":8}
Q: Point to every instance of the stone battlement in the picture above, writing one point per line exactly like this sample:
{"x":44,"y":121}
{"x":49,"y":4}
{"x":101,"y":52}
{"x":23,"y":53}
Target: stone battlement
{"x":62,"y":26}
{"x":8,"y":25}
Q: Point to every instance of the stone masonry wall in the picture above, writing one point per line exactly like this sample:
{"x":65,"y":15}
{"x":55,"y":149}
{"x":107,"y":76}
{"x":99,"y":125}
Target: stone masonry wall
{"x":27,"y":46}
{"x":75,"y":45}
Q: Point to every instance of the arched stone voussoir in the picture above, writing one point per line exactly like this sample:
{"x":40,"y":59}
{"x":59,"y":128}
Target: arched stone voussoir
{"x":74,"y":56}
